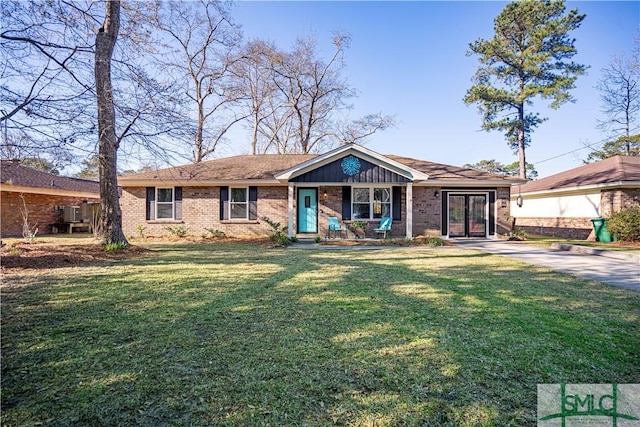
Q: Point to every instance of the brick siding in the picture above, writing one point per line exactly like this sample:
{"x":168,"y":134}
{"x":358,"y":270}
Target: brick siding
{"x":201,"y":210}
{"x":42,"y":211}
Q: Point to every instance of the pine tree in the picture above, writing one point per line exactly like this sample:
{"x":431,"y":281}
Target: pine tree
{"x":528,"y":57}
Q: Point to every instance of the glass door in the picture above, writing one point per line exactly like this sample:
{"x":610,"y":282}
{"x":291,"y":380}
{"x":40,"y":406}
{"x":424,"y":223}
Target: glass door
{"x":457,"y":216}
{"x":477,"y":219}
{"x":467,"y":215}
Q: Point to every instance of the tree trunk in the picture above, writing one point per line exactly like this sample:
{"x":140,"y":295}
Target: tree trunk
{"x":521,"y":141}
{"x":110,"y":213}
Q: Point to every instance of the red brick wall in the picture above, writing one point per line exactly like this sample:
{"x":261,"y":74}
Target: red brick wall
{"x":41,"y":207}
{"x":201,"y":210}
{"x":568,"y":228}
{"x":427,"y":211}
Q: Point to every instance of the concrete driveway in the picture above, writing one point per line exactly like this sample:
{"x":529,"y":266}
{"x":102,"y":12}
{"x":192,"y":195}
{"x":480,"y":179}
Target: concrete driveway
{"x":618,"y":272}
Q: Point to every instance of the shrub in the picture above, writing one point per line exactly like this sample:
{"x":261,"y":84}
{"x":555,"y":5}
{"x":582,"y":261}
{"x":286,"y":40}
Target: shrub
{"x":517,"y":234}
{"x":178,"y":230}
{"x":279,"y":233}
{"x":216,"y":233}
{"x":625,"y":225}
{"x":140,"y":231}
{"x":435,"y":241}
{"x":317,"y":239}
{"x":115,"y":246}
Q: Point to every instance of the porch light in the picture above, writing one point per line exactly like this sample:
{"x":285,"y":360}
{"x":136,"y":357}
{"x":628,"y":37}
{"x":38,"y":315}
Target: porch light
{"x":436,"y":194}
{"x":325,"y":196}
{"x":519,"y":198}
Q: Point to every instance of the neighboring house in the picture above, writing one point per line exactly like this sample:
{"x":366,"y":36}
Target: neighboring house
{"x":45,"y":195}
{"x":564,"y":204}
{"x":234,"y":194}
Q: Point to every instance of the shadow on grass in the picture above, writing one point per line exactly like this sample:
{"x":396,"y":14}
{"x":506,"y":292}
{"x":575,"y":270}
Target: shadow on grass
{"x":220,"y":335}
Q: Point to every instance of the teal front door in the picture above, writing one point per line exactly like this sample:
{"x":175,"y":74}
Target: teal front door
{"x":307,"y":210}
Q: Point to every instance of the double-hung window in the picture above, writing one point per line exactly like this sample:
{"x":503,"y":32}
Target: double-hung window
{"x":239,"y":203}
{"x":371,"y":202}
{"x":164,"y":203}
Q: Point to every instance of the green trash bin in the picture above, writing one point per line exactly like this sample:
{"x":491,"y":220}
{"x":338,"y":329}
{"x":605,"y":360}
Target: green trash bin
{"x":600,"y":230}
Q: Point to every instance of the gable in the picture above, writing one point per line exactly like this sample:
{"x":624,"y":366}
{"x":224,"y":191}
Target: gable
{"x":351,"y":169}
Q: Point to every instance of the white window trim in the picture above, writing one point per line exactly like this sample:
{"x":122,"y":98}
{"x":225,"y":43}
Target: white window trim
{"x":173,"y":202}
{"x":371,"y":201}
{"x":246,"y":217}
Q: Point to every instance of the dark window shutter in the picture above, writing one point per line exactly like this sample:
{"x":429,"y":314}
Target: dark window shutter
{"x":396,"y":197}
{"x":224,"y":202}
{"x":492,"y":217}
{"x":444,"y":213}
{"x":346,"y":202}
{"x":253,"y":203}
{"x":177,"y":206}
{"x":151,"y":203}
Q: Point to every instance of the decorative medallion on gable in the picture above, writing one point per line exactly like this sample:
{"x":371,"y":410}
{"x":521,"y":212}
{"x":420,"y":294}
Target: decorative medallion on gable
{"x":350,"y":165}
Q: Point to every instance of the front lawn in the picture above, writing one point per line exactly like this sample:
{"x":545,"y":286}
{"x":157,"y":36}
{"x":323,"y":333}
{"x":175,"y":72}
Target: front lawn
{"x":239,"y":335}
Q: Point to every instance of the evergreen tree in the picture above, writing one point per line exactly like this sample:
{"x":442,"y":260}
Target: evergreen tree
{"x":528,"y":57}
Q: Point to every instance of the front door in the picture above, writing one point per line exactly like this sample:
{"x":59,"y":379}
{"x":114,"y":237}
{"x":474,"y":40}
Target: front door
{"x":307,"y":210}
{"x":467,"y":215}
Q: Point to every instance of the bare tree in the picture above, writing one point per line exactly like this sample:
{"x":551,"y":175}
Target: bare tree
{"x":203,"y":40}
{"x":252,"y":74}
{"x":297,"y":100}
{"x":58,"y":60}
{"x":111,"y":215}
{"x":619,"y":89}
{"x":47,"y":87}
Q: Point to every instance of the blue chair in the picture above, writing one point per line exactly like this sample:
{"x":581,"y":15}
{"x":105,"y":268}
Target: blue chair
{"x":384,"y":227}
{"x":334,"y":226}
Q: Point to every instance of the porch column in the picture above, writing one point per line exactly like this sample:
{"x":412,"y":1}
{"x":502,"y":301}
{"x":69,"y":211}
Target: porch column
{"x":290,"y":209}
{"x":409,"y":216}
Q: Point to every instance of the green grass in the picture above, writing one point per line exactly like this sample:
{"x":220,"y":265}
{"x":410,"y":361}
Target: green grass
{"x":228,"y":334}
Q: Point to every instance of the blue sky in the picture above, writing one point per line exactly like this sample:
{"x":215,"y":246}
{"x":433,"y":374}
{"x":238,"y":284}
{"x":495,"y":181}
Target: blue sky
{"x":408,"y":59}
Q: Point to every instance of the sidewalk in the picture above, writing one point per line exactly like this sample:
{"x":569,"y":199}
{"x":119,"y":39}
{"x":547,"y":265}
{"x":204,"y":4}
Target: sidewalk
{"x":619,"y":269}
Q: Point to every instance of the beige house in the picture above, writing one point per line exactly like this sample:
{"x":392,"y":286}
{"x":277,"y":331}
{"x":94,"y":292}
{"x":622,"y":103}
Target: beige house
{"x":234,"y":195}
{"x":564,"y":204}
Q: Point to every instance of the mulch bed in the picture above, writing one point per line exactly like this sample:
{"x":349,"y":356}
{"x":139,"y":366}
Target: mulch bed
{"x":37,"y":255}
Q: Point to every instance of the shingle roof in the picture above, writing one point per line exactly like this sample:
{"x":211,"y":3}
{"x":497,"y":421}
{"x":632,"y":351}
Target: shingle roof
{"x":441,"y":171}
{"x":244,"y":167}
{"x":266,"y":166}
{"x":12,"y":173}
{"x":611,"y":170}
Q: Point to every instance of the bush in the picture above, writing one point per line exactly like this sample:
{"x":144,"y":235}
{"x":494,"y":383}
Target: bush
{"x":115,"y":246}
{"x":178,"y":230}
{"x":625,"y":225}
{"x":216,"y":233}
{"x":279,"y":234}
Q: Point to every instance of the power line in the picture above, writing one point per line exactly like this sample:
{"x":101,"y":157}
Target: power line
{"x":592,"y":146}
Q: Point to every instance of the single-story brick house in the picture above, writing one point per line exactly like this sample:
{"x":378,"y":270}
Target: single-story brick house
{"x":353,"y":183}
{"x":564,"y":204}
{"x":45,"y":196}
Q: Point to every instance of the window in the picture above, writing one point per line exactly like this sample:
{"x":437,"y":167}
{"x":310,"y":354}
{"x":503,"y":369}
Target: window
{"x":164,"y":203}
{"x":371,"y":203}
{"x":239,"y":203}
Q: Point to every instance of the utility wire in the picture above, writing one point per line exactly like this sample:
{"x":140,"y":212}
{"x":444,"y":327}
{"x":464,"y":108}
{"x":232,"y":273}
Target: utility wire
{"x":593,"y":145}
